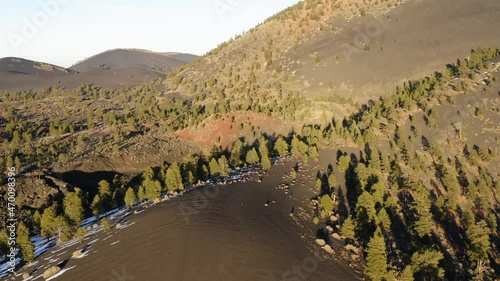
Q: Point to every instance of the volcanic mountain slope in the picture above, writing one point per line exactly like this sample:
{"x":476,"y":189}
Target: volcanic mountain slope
{"x":340,"y":52}
{"x":187,"y":58}
{"x":125,"y":58}
{"x":18,"y":73}
{"x":29,"y":67}
{"x":112,"y":69}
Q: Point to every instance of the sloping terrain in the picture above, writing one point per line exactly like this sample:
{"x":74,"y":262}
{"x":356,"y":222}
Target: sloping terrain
{"x":341,"y":52}
{"x":187,"y":58}
{"x":408,"y":189}
{"x":125,"y":58}
{"x":29,"y":67}
{"x":116,"y":69}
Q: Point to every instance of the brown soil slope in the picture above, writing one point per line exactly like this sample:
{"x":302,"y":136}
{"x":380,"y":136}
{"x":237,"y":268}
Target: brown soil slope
{"x":344,"y":52}
{"x":124,"y":58}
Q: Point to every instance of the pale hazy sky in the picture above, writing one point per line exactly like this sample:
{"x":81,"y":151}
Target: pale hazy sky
{"x":65,"y":31}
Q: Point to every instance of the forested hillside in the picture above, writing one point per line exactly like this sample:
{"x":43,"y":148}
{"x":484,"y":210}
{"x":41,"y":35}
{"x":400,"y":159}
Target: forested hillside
{"x":410,"y":133}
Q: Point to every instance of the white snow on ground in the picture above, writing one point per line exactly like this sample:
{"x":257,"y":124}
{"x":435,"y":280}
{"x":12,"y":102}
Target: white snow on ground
{"x":114,"y":243}
{"x":61,"y":254}
{"x":5,"y":267}
{"x":65,"y":245}
{"x":60,"y":273}
{"x":107,"y":238}
{"x":93,"y":241}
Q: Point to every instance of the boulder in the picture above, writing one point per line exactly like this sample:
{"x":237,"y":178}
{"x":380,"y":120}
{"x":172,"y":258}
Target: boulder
{"x":336,"y":236}
{"x":328,"y":249}
{"x":320,"y":242}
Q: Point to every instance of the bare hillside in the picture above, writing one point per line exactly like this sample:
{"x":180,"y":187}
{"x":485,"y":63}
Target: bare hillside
{"x":124,"y":58}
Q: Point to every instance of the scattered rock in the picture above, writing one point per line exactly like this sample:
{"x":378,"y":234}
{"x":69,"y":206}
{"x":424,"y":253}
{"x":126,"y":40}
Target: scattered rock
{"x":336,"y":236}
{"x":320,"y":242}
{"x":328,"y":249}
{"x":350,"y":247}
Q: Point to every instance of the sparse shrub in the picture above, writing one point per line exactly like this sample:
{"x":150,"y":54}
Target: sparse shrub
{"x":51,"y":271}
{"x":80,"y":234}
{"x":105,"y":225}
{"x":316,"y":220}
{"x":77,"y":254}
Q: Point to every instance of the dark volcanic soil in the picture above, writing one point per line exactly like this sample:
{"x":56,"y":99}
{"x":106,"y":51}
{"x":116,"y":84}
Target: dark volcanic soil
{"x":230,"y":236}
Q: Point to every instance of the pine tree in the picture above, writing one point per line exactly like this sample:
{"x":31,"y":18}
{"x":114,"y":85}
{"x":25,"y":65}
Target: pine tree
{"x":141,"y":194}
{"x":174,"y":178}
{"x":423,"y":224}
{"x":478,"y":235}
{"x":343,"y":163}
{"x":130,"y":197}
{"x":366,"y":202}
{"x":105,"y":195}
{"x":104,"y":188}
{"x":332,"y":180}
{"x":376,"y":257}
{"x":252,"y":157}
{"x":47,"y":221}
{"x":24,"y":242}
{"x":37,"y":218}
{"x":105,"y":225}
{"x":80,"y":234}
{"x":318,"y":184}
{"x":148,"y":174}
{"x":97,"y":206}
{"x":73,"y":206}
{"x":190,"y":169}
{"x":213,"y":165}
{"x":62,"y":228}
{"x":407,"y":274}
{"x":224,"y":166}
{"x":118,"y":197}
{"x":236,"y":151}
{"x":281,"y":147}
{"x":152,"y":188}
{"x":425,"y":264}
{"x":265,"y":162}
{"x":348,"y":229}
{"x":313,"y":153}
{"x":264,"y":153}
{"x":384,"y":219}
{"x":375,"y":159}
{"x":326,"y":204}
